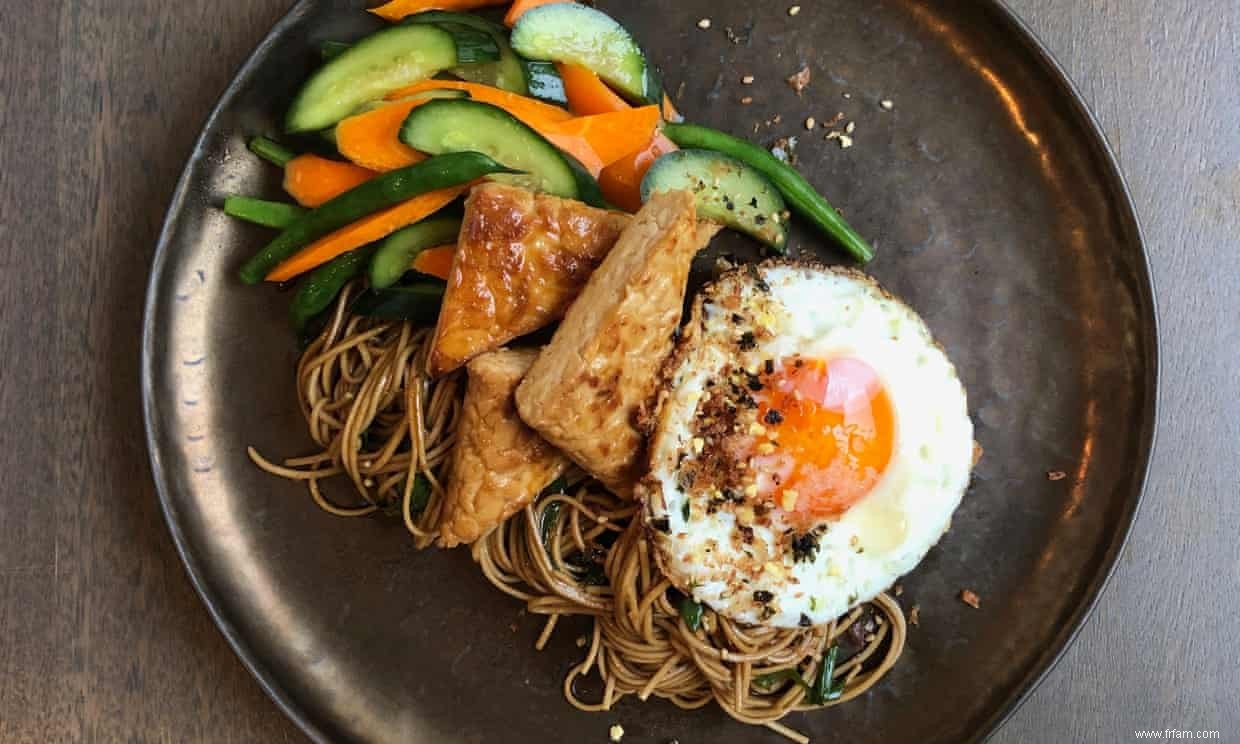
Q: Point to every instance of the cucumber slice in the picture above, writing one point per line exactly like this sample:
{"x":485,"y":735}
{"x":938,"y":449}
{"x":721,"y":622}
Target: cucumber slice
{"x":440,"y":127}
{"x":329,"y":135}
{"x":727,"y":191}
{"x":545,"y":82}
{"x":396,"y":253}
{"x":567,"y":32}
{"x":377,"y":65}
{"x":506,"y":73}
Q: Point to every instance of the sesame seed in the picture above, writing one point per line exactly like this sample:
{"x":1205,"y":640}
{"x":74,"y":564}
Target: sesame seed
{"x":704,"y":23}
{"x":747,"y":80}
{"x":746,"y":100}
{"x":788,"y":500}
{"x":751,"y":490}
{"x":810,"y":123}
{"x":616,"y":732}
{"x":756,"y":429}
{"x":845,"y":141}
{"x":581,"y":641}
{"x":851,"y":127}
{"x":833,"y":135}
{"x":794,"y":10}
{"x":766,"y":448}
{"x":887,"y":104}
{"x":698,"y":445}
{"x":848,"y":95}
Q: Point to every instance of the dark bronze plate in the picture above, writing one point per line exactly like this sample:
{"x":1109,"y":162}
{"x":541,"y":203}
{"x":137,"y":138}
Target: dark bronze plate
{"x":998,"y":213}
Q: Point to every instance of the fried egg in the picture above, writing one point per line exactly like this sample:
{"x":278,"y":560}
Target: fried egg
{"x":809,"y":448}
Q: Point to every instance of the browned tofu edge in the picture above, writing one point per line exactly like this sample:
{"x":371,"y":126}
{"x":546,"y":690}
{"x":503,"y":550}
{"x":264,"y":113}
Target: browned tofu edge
{"x":552,"y":397}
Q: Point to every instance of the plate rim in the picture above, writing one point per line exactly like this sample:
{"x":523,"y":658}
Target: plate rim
{"x":1045,"y":662}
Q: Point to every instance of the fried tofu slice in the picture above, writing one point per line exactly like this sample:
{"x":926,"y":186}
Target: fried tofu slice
{"x":588,"y":386}
{"x":499,"y":464}
{"x":521,"y":260}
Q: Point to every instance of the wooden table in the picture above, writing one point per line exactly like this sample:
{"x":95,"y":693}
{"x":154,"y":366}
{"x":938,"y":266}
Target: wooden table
{"x":101,"y":636}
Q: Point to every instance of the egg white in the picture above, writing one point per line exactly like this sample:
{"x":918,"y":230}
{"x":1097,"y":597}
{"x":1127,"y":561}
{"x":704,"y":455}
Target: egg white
{"x":818,"y":313}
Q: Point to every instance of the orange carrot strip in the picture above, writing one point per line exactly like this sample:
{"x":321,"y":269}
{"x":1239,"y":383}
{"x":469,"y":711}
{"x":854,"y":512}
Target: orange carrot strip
{"x":587,"y":93}
{"x":436,"y":261}
{"x":578,"y":147}
{"x":520,"y":7}
{"x":531,"y":111}
{"x":314,"y":181}
{"x":363,"y":232}
{"x":613,"y":135}
{"x":372,"y":139}
{"x":394,"y":10}
{"x":621,"y":181}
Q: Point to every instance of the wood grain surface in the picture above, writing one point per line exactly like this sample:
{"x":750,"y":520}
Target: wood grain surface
{"x":101,"y":636}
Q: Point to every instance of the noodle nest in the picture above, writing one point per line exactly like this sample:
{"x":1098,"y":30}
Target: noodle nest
{"x":383,"y":425}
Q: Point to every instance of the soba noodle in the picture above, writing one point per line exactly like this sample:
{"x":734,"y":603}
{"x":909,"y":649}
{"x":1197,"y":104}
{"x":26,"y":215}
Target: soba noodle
{"x":383,"y":425}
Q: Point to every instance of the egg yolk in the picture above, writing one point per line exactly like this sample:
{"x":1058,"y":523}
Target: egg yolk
{"x":830,"y":430}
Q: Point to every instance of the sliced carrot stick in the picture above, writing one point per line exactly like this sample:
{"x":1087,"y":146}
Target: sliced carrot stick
{"x":436,"y":261}
{"x":529,"y":110}
{"x":314,"y":181}
{"x":578,"y":147}
{"x":613,"y":135}
{"x":372,"y":139}
{"x":520,"y":7}
{"x":587,"y":93}
{"x":394,"y":10}
{"x":621,"y":181}
{"x":363,"y":232}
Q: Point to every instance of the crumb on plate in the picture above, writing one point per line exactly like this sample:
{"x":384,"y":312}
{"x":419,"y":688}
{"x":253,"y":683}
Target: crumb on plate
{"x":800,"y":80}
{"x":969,"y":597}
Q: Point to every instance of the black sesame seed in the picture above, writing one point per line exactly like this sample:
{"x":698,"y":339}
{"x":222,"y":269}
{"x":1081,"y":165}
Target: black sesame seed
{"x":760,"y":219}
{"x":769,"y":366}
{"x":753,"y":382}
{"x":804,"y":547}
{"x":773,"y":417}
{"x":805,"y":622}
{"x":754,"y":202}
{"x":737,"y":318}
{"x":762,"y":596}
{"x":661,"y":524}
{"x":747,"y":341}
